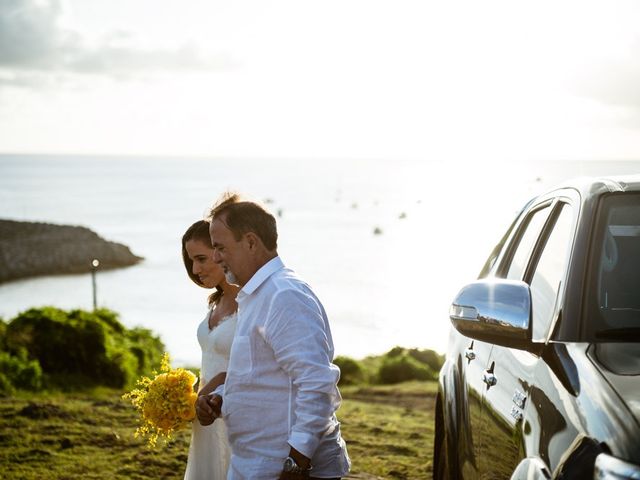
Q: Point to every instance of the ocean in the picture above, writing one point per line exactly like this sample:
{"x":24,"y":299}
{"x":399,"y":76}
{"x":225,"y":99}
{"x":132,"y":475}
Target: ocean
{"x":385,"y":244}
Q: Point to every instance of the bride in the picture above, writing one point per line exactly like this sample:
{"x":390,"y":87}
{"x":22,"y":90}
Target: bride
{"x":209,"y":451}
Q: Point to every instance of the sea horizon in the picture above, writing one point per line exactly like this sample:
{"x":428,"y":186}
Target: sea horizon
{"x":385,"y":244}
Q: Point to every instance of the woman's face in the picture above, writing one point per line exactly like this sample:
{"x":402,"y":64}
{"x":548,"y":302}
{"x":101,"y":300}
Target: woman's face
{"x":201,"y":254}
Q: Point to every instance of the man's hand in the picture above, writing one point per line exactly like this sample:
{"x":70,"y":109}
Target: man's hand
{"x":204,"y":411}
{"x":215,"y":403}
{"x":302,"y":461}
{"x":293,"y":476}
{"x":208,"y":408}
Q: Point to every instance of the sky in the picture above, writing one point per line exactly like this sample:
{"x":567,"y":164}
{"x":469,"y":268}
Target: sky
{"x":455,"y":80}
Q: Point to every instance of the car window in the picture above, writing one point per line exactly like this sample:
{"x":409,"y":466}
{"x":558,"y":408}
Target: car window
{"x":527,"y":240}
{"x":548,"y":273}
{"x":615,"y":280}
{"x":495,"y":253}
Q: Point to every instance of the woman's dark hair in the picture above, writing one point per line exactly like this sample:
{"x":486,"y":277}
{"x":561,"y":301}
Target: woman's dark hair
{"x":199,"y":232}
{"x":242,"y":216}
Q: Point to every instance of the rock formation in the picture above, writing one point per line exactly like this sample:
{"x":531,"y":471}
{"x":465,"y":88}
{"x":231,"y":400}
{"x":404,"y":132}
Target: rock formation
{"x":29,"y":249}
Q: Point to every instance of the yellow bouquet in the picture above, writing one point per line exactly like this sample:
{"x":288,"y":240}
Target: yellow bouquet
{"x":166,"y":403}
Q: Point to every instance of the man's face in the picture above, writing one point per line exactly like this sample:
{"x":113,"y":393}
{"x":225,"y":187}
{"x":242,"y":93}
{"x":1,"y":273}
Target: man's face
{"x":228,"y":252}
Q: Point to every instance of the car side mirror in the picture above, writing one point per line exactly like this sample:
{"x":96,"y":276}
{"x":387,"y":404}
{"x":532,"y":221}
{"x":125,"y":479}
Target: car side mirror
{"x":496,"y":311}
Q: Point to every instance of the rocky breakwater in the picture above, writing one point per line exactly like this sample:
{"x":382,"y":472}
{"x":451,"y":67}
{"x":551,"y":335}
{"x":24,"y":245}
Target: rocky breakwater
{"x":29,"y":249}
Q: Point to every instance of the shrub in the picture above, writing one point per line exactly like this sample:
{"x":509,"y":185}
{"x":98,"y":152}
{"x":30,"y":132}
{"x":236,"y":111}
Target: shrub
{"x":19,"y":372}
{"x":80,"y":348}
{"x":430,"y":358}
{"x":146,"y":347}
{"x":351,"y":372}
{"x":401,"y":368}
{"x":3,"y":332}
{"x":6,"y":387}
{"x":396,"y":352}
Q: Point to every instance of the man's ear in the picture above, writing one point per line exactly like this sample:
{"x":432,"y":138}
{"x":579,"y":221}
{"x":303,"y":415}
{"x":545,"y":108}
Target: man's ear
{"x":252,"y":241}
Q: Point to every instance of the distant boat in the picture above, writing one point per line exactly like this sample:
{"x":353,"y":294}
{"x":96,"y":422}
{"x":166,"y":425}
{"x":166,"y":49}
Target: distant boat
{"x":402,"y":215}
{"x":377,"y":231}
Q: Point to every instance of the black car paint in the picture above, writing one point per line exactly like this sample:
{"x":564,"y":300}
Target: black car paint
{"x":581,"y":398}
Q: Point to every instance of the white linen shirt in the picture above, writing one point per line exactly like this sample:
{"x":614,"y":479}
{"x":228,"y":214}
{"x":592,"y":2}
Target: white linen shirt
{"x":281,"y":387}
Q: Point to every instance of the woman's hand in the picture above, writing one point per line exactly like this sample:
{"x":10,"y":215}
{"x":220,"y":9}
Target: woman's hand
{"x":208,"y":406}
{"x":204,"y":412}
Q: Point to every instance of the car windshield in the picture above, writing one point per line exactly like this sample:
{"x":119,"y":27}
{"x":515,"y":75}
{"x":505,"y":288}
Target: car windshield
{"x":614,"y":291}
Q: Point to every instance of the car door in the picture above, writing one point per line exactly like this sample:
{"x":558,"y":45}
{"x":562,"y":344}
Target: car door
{"x":513,"y":370}
{"x":470,"y":443}
{"x":477,"y":443}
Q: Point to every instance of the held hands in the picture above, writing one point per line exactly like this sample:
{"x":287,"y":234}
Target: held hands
{"x":208,"y":408}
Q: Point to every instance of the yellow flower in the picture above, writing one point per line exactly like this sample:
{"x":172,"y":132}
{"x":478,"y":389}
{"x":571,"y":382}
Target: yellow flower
{"x":166,"y":402}
{"x":188,"y":412}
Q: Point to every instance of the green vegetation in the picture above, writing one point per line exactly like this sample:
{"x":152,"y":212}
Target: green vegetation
{"x":55,"y":349}
{"x":62,"y":374}
{"x":388,"y":429}
{"x":82,"y":435}
{"x":351,"y":371}
{"x":397,"y":365}
{"x":17,"y":371}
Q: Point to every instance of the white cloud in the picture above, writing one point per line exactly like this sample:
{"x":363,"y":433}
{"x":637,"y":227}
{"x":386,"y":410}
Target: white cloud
{"x":34,"y":44}
{"x":29,"y":35}
{"x":330,"y":78}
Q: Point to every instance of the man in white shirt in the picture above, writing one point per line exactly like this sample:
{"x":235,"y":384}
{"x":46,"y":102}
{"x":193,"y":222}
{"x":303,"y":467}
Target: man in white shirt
{"x":280,"y":395}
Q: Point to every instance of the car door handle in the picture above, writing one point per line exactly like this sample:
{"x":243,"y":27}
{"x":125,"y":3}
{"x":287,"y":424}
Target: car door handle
{"x":489,"y":378}
{"x":469,"y":353}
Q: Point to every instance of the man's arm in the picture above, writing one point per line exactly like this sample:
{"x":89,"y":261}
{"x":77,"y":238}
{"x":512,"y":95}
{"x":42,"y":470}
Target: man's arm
{"x":299,"y":336}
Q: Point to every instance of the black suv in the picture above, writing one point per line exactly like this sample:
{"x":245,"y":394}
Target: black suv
{"x":542,"y":376}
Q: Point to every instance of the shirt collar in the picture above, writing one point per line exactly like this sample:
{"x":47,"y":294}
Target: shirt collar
{"x":261,"y":275}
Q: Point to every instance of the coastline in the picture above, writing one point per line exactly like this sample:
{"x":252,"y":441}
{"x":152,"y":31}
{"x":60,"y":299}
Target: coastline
{"x":33,"y":249}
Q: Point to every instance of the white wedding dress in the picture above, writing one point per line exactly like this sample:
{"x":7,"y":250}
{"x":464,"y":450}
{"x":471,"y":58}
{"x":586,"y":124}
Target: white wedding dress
{"x":209,"y":451}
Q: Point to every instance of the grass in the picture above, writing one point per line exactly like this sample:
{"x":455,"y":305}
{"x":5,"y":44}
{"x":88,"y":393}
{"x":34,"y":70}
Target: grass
{"x":388,"y":429}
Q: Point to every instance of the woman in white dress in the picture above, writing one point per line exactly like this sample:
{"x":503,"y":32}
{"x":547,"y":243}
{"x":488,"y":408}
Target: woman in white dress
{"x":209,"y":451}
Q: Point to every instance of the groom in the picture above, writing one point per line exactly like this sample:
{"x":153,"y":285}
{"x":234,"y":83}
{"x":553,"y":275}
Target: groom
{"x":280,"y":396}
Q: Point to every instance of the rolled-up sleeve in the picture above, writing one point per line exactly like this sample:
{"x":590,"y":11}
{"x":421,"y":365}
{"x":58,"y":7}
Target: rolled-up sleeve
{"x":219,"y":390}
{"x":297,"y":331}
